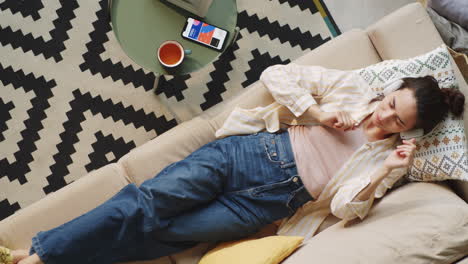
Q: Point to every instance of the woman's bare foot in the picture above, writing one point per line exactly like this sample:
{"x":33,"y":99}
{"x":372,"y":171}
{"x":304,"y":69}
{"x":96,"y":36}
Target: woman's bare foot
{"x":33,"y":259}
{"x":19,"y":255}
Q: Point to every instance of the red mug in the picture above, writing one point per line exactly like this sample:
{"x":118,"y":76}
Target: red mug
{"x":171,"y":53}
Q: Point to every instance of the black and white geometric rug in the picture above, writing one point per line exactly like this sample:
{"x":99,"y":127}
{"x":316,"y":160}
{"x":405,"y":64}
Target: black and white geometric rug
{"x":71,"y":101}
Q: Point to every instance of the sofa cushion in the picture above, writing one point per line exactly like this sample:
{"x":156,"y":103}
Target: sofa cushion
{"x":415,"y":223}
{"x":404,"y":33}
{"x":337,"y":54}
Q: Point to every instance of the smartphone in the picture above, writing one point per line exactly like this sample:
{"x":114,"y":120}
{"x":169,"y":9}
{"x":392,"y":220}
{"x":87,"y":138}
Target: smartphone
{"x":415,"y":133}
{"x":205,"y":34}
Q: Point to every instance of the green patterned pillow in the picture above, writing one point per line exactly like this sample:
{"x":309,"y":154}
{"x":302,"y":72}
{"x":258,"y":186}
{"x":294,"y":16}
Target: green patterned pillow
{"x":442,"y":153}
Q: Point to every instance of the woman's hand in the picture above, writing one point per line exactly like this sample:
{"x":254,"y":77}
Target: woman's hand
{"x":402,"y":156}
{"x":340,"y":120}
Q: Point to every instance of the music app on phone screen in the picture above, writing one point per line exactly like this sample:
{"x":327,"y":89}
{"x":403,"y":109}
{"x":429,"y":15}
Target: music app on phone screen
{"x":206,"y":33}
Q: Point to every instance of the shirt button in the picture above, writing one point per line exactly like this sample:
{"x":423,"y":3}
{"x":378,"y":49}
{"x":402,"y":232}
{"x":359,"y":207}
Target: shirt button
{"x":273,"y":154}
{"x":295,"y":179}
{"x":272,"y":141}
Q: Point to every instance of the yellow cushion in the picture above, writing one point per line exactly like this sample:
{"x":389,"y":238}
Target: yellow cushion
{"x":5,"y":256}
{"x":267,"y":250}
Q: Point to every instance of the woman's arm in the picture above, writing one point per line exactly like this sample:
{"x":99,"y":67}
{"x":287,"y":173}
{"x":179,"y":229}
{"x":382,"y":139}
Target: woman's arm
{"x":314,"y":111}
{"x":355,"y":197}
{"x":298,"y":87}
{"x":399,"y":158}
{"x":286,"y":85}
{"x":340,"y":120}
{"x":376,"y":179}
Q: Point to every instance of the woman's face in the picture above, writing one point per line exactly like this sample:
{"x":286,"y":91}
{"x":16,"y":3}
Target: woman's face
{"x":397,"y":112}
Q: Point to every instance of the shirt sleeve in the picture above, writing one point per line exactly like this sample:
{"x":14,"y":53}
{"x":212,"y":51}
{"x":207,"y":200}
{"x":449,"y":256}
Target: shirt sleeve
{"x":299,"y":86}
{"x":393,"y":180}
{"x":342,"y":204}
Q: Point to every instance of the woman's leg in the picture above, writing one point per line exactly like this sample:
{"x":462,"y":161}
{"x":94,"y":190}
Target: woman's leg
{"x":127,"y":220}
{"x":262,"y":186}
{"x":229,"y":217}
{"x":226,"y":190}
{"x":237,"y":215}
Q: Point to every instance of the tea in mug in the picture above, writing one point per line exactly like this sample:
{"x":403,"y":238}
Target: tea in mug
{"x":170,"y":54}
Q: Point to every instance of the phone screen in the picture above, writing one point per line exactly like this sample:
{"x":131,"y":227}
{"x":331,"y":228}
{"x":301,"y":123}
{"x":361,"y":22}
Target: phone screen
{"x":205,"y":33}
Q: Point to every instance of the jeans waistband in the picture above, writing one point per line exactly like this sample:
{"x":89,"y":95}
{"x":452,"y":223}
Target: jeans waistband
{"x":302,"y":195}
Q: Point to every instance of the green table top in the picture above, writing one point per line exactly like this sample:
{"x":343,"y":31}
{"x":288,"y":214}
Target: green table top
{"x":141,"y":26}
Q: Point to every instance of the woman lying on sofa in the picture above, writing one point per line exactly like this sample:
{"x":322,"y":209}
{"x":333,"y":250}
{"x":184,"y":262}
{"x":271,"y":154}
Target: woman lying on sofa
{"x":233,"y":186}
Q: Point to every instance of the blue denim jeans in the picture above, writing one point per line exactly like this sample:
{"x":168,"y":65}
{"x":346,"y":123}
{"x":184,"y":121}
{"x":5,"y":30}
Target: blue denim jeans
{"x":226,"y":190}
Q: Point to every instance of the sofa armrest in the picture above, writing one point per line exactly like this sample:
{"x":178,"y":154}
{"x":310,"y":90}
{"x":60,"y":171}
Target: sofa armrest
{"x":62,"y":206}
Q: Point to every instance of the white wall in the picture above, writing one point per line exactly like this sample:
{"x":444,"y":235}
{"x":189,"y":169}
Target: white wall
{"x":349,"y":14}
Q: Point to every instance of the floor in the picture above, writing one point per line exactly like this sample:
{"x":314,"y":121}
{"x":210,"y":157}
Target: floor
{"x":349,"y":14}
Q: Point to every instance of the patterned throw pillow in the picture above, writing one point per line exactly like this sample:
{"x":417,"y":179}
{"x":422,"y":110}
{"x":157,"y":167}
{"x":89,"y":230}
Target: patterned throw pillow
{"x":442,"y":153}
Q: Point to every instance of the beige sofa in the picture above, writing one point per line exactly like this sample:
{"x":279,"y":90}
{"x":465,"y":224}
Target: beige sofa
{"x":387,"y":235}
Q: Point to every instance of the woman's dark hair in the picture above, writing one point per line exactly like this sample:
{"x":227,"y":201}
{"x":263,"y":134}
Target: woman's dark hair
{"x":432,"y":102}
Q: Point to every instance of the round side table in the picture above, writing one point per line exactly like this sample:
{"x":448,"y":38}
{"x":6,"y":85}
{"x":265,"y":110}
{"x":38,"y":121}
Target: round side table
{"x":141,"y":26}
